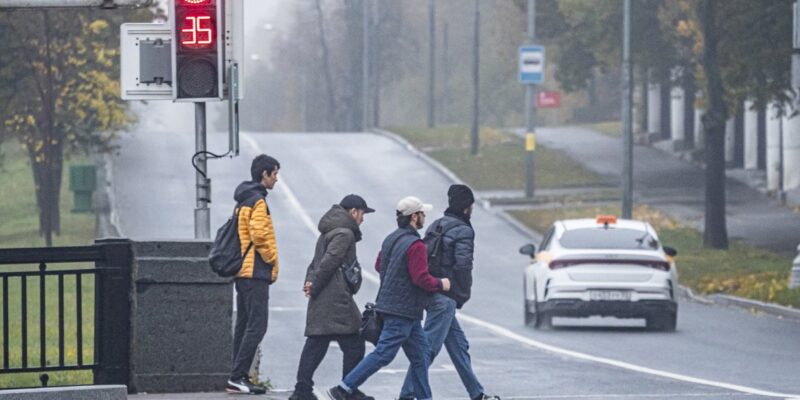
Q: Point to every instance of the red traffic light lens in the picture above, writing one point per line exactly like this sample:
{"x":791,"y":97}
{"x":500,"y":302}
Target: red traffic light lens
{"x":196,"y":30}
{"x":195,"y":2}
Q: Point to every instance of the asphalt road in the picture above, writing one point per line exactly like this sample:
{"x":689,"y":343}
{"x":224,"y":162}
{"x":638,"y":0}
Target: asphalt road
{"x":678,"y":187}
{"x":716,"y":353}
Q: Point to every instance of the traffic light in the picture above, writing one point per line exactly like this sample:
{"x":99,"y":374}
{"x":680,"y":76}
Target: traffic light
{"x":199,"y":64}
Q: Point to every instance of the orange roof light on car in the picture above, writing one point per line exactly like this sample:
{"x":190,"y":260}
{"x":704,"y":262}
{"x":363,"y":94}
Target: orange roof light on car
{"x":606,"y":220}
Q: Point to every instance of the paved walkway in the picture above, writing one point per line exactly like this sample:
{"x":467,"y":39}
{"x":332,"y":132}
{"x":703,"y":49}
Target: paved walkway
{"x":677,"y":187}
{"x":277,"y":395}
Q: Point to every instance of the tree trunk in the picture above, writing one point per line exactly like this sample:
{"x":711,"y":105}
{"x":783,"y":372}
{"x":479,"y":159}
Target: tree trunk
{"x":738,"y":136}
{"x":689,"y":96}
{"x":326,"y":68}
{"x":665,"y":129}
{"x":354,"y":102}
{"x":716,"y":233}
{"x":643,"y":78}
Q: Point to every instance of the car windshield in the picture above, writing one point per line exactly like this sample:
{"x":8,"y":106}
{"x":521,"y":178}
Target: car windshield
{"x":608,"y":238}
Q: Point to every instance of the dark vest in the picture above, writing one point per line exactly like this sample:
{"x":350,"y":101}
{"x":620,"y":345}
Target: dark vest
{"x":398,"y":295}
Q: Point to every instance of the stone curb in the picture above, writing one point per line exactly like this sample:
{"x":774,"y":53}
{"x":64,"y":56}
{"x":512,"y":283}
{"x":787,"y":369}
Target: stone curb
{"x":720,"y":299}
{"x":766,"y":308}
{"x":100,"y":392}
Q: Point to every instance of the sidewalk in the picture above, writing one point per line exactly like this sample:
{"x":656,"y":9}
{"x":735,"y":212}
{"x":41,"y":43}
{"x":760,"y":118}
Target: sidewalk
{"x":678,"y":188}
{"x":272,"y":395}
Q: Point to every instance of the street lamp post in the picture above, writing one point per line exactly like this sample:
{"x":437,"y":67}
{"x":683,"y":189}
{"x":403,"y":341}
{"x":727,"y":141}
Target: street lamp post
{"x":627,"y":121}
{"x":530,"y":111}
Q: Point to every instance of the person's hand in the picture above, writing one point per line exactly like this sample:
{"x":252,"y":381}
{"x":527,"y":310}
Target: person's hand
{"x":445,"y":285}
{"x":307,"y":289}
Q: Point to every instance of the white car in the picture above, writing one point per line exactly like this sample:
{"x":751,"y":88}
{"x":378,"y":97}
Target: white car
{"x":601,"y":267}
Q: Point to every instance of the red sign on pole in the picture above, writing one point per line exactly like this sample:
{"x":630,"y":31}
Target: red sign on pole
{"x":548,"y":100}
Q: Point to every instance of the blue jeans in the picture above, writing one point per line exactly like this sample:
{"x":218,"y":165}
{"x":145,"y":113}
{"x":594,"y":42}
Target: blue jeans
{"x":442,"y":328}
{"x":397,"y":332}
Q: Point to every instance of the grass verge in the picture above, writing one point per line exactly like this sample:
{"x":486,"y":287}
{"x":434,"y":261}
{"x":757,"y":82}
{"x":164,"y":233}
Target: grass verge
{"x":742,"y":270}
{"x":19,"y":227}
{"x":500,"y":163}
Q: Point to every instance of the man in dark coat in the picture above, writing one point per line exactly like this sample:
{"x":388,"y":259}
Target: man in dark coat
{"x":332,"y":313}
{"x":406,"y":286}
{"x":457,"y":241}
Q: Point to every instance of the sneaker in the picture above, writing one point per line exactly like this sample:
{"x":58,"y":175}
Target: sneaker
{"x":300,"y":395}
{"x":485,"y":396}
{"x":337,"y":393}
{"x":244,"y":386}
{"x":359,"y":395}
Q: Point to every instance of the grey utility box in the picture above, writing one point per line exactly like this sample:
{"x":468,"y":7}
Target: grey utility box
{"x":181,"y":338}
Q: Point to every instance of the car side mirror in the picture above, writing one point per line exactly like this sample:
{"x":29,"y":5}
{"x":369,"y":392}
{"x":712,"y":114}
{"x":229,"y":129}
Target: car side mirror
{"x":670,"y":251}
{"x":529,"y":250}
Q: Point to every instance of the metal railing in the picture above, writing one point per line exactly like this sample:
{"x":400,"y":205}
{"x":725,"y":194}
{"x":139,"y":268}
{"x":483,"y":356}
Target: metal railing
{"x":111,"y":276}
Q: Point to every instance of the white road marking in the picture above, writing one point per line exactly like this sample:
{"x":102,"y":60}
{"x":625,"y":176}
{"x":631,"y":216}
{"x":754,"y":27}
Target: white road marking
{"x":624,"y":396}
{"x":504,"y":332}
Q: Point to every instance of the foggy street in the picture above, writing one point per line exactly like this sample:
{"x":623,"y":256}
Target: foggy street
{"x":716,"y":353}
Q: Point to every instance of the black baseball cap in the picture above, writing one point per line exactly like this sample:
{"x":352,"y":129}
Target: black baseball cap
{"x":355,"y":201}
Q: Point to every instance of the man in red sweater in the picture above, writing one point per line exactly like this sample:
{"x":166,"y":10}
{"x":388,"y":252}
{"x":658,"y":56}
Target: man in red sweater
{"x":406,"y":288}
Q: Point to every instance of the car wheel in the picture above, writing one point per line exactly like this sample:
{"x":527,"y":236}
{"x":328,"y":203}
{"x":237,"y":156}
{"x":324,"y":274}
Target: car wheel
{"x":530,"y":317}
{"x":663,"y":322}
{"x":543,"y":320}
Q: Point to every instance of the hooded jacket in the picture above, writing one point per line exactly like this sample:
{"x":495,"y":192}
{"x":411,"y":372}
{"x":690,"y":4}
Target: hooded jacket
{"x":331,"y":308}
{"x":458,"y":247}
{"x":255,"y":226}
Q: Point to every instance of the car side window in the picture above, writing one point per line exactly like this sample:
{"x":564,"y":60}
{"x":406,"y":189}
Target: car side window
{"x":547,"y":238}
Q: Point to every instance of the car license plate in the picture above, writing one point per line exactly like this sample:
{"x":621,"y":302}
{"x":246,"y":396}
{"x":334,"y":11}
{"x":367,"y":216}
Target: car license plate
{"x":609,"y":295}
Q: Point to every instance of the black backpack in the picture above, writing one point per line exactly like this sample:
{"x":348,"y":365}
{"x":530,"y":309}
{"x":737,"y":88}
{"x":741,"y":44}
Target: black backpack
{"x":226,"y":256}
{"x":434,"y":242}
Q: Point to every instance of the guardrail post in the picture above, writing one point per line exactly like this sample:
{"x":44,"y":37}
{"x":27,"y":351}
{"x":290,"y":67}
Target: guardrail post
{"x":112,"y":312}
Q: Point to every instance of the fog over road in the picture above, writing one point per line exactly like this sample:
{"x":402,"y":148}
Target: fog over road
{"x":716,"y":353}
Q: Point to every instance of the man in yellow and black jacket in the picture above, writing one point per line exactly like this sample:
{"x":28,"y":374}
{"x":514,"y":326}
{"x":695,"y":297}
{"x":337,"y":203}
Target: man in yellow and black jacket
{"x":259,"y":270}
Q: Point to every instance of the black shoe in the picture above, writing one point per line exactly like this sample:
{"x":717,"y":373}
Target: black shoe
{"x":359,"y":395}
{"x":244,"y":386}
{"x":300,"y":395}
{"x":485,"y":396}
{"x":337,"y":393}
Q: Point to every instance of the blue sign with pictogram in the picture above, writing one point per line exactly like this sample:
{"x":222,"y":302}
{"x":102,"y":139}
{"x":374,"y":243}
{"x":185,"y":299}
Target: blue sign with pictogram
{"x":531,"y":64}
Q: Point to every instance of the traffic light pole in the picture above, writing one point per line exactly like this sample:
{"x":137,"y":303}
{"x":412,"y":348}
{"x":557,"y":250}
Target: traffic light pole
{"x":202,"y":215}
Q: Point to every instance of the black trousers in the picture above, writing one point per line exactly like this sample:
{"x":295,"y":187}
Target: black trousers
{"x":314,"y":351}
{"x":252,"y":314}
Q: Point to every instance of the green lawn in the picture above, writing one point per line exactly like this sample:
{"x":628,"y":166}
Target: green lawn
{"x":742,"y":270}
{"x":501,"y":160}
{"x":19,"y":226}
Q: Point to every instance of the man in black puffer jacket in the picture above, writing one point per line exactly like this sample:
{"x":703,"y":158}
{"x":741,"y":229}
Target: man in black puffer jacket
{"x":332,"y":313}
{"x":441,"y":327}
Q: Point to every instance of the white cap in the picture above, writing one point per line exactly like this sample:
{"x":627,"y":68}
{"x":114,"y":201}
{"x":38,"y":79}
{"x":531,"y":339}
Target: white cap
{"x":411,"y":205}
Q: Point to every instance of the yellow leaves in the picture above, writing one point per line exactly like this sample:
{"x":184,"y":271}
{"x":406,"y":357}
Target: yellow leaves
{"x":98,"y":26}
{"x":763,"y":286}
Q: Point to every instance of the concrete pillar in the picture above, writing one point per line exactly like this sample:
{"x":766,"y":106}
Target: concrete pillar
{"x":181,"y":337}
{"x":750,"y":136}
{"x":677,"y":116}
{"x":699,"y":132}
{"x":654,"y":108}
{"x":791,"y":153}
{"x":730,"y":141}
{"x":774,"y":124}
